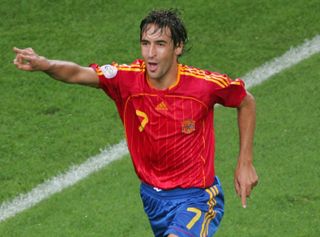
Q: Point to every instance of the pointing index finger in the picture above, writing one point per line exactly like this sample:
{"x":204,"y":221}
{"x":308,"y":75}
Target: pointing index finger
{"x":27,"y":51}
{"x":243,"y":197}
{"x":17,"y":50}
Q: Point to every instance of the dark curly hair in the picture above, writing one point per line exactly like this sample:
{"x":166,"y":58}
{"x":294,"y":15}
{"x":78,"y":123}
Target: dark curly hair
{"x":167,"y":18}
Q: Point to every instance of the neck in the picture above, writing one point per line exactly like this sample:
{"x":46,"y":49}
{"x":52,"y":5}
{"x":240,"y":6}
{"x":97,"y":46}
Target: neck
{"x":166,"y":81}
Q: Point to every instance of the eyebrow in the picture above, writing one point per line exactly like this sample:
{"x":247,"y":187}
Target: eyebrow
{"x":157,"y":41}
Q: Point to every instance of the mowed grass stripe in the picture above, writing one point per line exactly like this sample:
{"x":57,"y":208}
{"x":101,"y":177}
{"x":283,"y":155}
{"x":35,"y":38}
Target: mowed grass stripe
{"x":60,"y":182}
{"x":95,"y":163}
{"x":287,"y":60}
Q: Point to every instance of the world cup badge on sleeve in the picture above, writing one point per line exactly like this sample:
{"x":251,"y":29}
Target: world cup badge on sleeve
{"x":109,"y":71}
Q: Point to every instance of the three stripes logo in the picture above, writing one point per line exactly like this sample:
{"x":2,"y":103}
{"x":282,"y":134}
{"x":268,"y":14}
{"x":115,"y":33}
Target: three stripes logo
{"x":161,"y":107}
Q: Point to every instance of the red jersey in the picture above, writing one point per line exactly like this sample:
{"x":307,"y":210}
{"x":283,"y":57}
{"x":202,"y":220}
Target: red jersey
{"x":170,"y":133}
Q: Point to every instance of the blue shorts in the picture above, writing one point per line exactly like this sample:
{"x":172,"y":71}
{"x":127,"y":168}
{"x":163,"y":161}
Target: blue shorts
{"x":184,"y":212}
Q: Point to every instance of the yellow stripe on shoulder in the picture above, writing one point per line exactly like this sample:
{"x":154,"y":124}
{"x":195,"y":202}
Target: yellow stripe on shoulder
{"x":215,"y":80}
{"x":131,"y":67}
{"x":236,"y":82}
{"x":219,"y":79}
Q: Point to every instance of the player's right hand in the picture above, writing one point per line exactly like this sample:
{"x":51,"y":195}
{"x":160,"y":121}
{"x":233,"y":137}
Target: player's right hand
{"x":28,"y":60}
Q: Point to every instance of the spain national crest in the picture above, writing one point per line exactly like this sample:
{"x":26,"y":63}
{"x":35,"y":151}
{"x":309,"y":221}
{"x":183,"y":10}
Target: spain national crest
{"x":188,"y":126}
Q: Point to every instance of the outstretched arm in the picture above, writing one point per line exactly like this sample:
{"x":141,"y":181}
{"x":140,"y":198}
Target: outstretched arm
{"x":245,"y":177}
{"x":69,"y":72}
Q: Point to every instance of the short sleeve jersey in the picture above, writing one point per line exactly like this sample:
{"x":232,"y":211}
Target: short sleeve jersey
{"x":170,"y":133}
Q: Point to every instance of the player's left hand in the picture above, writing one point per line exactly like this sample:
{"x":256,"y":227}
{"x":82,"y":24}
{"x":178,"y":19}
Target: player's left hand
{"x":245,"y":179}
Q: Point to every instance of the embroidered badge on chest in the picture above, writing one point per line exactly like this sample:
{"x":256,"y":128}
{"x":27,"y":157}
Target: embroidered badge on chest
{"x":188,"y":126}
{"x":109,"y":71}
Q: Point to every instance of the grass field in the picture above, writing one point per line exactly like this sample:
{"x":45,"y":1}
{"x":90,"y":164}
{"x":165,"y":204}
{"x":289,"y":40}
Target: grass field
{"x":46,"y":126}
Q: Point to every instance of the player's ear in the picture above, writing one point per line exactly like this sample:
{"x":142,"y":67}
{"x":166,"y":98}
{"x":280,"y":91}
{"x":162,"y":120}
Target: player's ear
{"x":179,"y":49}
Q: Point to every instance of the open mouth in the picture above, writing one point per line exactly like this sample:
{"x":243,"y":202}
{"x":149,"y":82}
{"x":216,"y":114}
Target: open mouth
{"x":152,"y":67}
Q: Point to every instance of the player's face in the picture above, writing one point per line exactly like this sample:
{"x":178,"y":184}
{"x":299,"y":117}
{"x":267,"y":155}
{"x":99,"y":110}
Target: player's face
{"x":159,"y":53}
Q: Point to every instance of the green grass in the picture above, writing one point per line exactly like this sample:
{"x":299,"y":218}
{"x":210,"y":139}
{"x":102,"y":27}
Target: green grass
{"x":94,"y":207}
{"x":46,"y":126}
{"x":286,"y":202}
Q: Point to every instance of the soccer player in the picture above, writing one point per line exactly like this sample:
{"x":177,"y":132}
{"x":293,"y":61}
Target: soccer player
{"x":167,"y":110}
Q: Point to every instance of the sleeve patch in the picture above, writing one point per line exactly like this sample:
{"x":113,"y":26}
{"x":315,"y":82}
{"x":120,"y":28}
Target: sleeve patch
{"x":109,"y":71}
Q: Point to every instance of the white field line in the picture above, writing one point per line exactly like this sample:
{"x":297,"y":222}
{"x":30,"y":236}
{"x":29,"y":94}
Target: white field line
{"x":287,"y":60}
{"x":95,"y":163}
{"x":62,"y":181}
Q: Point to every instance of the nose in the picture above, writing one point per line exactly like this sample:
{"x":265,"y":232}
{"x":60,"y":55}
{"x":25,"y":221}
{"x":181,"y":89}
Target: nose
{"x":152,"y":51}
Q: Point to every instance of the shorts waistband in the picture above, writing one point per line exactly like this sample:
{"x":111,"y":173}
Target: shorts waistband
{"x":176,"y":192}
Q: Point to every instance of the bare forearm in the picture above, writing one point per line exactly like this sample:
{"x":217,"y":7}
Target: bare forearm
{"x":69,"y":72}
{"x":246,"y":123}
{"x":62,"y":70}
{"x":245,"y":177}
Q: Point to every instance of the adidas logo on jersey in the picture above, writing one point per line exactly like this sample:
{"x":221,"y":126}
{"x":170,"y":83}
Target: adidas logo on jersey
{"x":161,"y":106}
